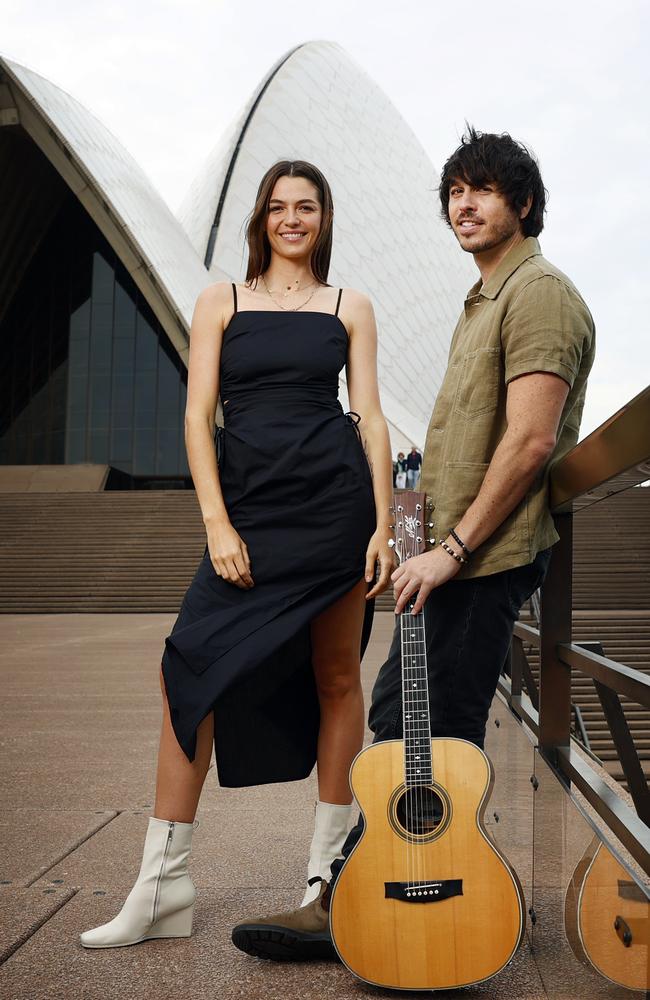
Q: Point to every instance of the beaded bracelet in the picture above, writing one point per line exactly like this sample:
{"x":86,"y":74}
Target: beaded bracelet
{"x":453,"y":554}
{"x":460,"y":541}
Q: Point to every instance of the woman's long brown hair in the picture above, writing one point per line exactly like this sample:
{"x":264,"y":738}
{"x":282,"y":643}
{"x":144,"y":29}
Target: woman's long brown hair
{"x":259,"y":249}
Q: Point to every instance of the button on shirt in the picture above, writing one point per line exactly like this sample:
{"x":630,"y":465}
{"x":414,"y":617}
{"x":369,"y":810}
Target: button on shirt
{"x":528,"y":317}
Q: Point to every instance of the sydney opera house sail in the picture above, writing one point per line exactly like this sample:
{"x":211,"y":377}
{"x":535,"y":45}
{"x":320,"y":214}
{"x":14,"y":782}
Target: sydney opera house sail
{"x":98,"y":277}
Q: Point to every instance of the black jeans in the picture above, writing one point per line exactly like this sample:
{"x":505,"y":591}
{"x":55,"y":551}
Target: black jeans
{"x":468,"y":626}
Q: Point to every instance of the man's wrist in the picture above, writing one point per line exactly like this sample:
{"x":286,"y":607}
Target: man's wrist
{"x":454,"y":551}
{"x":457,"y":540}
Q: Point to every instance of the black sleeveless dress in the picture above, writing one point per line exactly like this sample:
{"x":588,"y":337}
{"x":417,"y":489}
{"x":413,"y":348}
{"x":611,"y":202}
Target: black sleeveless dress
{"x":298,"y":489}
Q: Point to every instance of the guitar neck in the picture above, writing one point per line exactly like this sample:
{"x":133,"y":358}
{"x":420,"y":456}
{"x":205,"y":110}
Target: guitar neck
{"x":418,"y":763}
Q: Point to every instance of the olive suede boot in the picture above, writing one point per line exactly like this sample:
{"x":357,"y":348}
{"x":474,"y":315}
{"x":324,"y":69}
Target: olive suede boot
{"x":297,"y":935}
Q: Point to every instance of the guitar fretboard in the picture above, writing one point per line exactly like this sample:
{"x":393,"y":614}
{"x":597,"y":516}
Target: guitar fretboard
{"x":418,"y":765}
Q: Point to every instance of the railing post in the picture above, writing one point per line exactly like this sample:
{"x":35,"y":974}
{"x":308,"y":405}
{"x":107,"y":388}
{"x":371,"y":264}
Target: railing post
{"x":555,"y":628}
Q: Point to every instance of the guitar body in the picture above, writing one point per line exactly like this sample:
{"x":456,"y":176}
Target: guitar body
{"x":469,"y":917}
{"x":607,"y":919}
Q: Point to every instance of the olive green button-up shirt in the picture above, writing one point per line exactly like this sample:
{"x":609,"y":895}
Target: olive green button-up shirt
{"x":528,"y":317}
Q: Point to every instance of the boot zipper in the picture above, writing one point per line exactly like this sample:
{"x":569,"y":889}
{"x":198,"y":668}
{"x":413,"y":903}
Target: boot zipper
{"x":170,"y":834}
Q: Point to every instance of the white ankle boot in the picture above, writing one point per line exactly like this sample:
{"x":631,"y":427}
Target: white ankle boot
{"x":330,"y":830}
{"x":161,"y":902}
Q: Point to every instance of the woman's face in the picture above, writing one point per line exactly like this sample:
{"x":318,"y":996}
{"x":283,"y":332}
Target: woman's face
{"x":294,"y":218}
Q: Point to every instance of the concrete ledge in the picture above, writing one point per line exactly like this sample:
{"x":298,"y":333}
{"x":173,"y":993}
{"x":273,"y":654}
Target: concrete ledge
{"x":53,"y":478}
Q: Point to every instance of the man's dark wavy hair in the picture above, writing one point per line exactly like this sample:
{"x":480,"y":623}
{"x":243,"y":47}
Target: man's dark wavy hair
{"x":485,"y":158}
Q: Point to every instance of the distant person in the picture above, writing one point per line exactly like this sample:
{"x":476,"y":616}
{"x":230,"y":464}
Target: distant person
{"x":399,"y":470}
{"x":265,"y":653}
{"x":509,"y":406}
{"x":413,"y":465}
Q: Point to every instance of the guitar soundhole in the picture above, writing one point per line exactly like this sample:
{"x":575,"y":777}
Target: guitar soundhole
{"x":423,"y":812}
{"x":420,"y":811}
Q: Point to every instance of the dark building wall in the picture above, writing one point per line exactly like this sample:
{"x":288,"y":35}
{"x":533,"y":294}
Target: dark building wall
{"x":86,"y":372}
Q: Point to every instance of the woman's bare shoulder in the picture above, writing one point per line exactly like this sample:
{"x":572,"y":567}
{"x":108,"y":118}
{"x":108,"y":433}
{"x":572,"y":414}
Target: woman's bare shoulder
{"x":355,"y":299}
{"x":356,"y":310}
{"x":218,"y":294}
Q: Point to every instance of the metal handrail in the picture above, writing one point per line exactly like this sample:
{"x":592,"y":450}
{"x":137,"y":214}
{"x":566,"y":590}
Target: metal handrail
{"x":619,"y":447}
{"x":624,"y":680}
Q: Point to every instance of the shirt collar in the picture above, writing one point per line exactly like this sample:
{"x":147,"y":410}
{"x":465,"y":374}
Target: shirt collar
{"x":513,"y":259}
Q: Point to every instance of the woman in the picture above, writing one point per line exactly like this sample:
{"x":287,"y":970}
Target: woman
{"x":266,"y":648}
{"x":399,"y":470}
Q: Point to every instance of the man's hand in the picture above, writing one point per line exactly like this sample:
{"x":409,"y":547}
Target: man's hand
{"x":423,"y":574}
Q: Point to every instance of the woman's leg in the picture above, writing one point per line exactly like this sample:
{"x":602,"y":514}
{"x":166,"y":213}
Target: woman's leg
{"x":161,"y":903}
{"x":336,"y":647}
{"x":179,"y":782}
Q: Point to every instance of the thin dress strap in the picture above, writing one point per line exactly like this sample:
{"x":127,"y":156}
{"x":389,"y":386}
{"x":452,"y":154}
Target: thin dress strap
{"x":234,"y":295}
{"x":338,"y":301}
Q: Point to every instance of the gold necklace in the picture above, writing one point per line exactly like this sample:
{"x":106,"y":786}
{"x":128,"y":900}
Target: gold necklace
{"x":291,"y":308}
{"x":290,"y":288}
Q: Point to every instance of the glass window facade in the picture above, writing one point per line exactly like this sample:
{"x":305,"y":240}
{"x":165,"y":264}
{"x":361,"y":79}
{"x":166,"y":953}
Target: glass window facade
{"x":87,"y":373}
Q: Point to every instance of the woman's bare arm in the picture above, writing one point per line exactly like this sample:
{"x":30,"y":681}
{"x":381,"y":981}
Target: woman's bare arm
{"x":363,"y":392}
{"x":212,"y":312}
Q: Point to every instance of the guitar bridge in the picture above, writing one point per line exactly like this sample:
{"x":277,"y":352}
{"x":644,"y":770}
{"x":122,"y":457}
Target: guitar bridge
{"x":424,"y":892}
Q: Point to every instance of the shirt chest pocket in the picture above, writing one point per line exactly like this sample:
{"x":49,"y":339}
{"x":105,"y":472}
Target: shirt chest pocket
{"x":479,"y":381}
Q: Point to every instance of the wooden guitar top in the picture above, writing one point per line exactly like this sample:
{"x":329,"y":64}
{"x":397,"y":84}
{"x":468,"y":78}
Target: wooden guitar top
{"x":472,"y":919}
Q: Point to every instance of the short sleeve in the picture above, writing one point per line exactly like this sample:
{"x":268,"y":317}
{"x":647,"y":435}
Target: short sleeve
{"x":547,"y":328}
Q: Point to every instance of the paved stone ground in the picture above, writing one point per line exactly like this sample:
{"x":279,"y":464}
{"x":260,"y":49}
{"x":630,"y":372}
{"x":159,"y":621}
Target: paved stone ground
{"x":80,"y":722}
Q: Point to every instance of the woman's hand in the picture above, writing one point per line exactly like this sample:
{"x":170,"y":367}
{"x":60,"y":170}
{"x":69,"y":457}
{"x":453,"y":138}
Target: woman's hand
{"x":379,"y":551}
{"x":229,"y":554}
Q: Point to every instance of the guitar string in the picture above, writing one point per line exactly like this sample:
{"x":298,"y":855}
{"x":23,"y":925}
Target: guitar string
{"x":425,"y":694}
{"x":426,"y":737}
{"x":419,"y":727}
{"x":423,"y":755}
{"x":417,"y":699}
{"x":414,"y":727}
{"x":415,"y":788}
{"x":401,"y":555}
{"x":413,"y":792}
{"x":410,"y":873}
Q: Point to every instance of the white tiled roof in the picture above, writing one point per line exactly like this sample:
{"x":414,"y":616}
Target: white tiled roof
{"x":145,"y":219}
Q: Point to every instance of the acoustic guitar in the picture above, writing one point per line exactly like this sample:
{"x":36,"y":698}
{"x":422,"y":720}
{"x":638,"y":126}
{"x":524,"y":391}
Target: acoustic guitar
{"x":425,"y":901}
{"x":607,"y":919}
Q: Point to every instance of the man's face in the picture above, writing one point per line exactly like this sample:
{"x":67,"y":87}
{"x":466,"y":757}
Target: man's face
{"x":481,"y":218}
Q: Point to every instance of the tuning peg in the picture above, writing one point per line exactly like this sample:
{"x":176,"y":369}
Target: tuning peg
{"x":418,"y":539}
{"x":432,"y":541}
{"x":392,"y":526}
{"x":400,"y":508}
{"x":391,"y":543}
{"x":429,"y":504}
{"x":419,"y":524}
{"x":430,"y":524}
{"x":418,"y":506}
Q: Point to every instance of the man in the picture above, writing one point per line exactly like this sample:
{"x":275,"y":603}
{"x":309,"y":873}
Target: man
{"x":510,"y":404}
{"x":413,"y":463}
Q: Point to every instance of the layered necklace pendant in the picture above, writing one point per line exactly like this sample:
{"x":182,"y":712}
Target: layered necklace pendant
{"x":288,"y":290}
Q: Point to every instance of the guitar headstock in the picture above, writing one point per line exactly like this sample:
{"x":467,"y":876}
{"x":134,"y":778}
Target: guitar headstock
{"x":412,"y":524}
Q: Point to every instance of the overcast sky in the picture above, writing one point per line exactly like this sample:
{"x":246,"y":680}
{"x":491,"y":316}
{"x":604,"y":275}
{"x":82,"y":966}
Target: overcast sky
{"x":571,"y":79}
